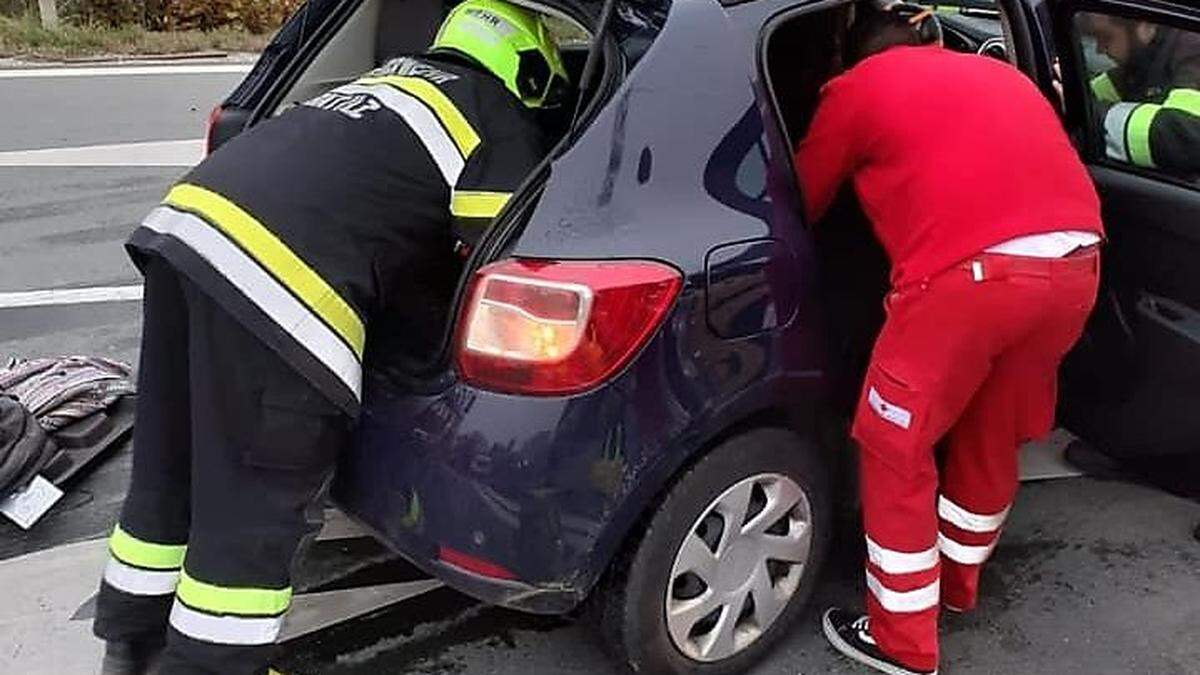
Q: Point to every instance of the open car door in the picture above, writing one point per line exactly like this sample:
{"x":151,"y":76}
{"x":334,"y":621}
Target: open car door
{"x":1131,"y":80}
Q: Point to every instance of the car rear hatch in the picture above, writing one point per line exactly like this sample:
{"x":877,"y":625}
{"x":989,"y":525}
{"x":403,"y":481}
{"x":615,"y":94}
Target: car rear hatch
{"x":405,"y":479}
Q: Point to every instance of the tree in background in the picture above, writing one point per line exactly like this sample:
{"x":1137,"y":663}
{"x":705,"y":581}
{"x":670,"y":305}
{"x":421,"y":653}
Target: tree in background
{"x":256,"y":16}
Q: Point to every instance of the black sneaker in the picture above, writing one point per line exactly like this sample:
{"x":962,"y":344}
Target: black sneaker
{"x":130,"y":658}
{"x":850,"y":634}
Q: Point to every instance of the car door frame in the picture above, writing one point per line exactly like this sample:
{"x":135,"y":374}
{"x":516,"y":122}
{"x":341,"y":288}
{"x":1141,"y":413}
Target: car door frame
{"x":279,"y":58}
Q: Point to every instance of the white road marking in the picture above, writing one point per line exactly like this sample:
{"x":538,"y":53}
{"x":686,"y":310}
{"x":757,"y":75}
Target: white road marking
{"x":70,"y":296}
{"x":124,"y":71}
{"x":153,"y":153}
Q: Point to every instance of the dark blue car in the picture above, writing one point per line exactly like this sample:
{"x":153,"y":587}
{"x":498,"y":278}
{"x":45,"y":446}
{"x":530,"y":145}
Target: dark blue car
{"x":641,"y":401}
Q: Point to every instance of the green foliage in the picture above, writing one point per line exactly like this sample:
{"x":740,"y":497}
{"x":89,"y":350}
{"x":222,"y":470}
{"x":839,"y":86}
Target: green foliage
{"x":255,"y":16}
{"x":103,"y":12}
{"x":25,"y":37}
{"x":17,"y":7}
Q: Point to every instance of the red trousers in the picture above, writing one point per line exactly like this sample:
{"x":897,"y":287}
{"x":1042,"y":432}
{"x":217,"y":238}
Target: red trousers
{"x":968,"y":358}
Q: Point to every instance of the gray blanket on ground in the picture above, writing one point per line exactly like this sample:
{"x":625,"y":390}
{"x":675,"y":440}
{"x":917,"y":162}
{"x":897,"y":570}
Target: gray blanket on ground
{"x":25,"y":449}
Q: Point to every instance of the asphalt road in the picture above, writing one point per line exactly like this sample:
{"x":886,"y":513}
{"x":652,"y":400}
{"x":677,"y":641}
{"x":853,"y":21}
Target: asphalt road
{"x":1092,"y":576}
{"x":63,"y":227}
{"x":73,"y":111}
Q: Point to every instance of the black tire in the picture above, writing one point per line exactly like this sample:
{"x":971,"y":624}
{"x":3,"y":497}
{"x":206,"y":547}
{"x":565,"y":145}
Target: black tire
{"x":630,"y":603}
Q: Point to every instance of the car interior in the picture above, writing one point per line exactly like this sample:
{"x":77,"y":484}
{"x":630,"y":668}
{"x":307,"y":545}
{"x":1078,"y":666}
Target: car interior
{"x":854,"y":269}
{"x":380,"y":30}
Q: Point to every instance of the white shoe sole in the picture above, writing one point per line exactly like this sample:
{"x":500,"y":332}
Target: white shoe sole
{"x":844,"y":647}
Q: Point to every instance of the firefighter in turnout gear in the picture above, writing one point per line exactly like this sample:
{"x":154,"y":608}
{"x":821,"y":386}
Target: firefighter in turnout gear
{"x":992,"y":229}
{"x":1150,"y":102}
{"x":329,"y":234}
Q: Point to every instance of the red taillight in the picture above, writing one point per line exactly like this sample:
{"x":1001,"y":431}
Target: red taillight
{"x":474,"y":565}
{"x":556,"y":328}
{"x":209,"y":126}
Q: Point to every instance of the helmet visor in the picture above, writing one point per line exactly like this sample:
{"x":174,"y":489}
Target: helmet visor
{"x":538,"y":84}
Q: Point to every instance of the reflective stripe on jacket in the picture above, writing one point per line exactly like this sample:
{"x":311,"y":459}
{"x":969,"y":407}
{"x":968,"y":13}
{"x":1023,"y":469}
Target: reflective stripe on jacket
{"x":1153,"y":106}
{"x":346,"y":209}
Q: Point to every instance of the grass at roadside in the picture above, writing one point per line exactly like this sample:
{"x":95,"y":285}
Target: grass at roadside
{"x":25,"y":38}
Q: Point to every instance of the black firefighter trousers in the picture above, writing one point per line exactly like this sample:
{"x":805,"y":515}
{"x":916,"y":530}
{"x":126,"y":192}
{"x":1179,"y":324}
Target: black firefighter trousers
{"x":233,"y":452}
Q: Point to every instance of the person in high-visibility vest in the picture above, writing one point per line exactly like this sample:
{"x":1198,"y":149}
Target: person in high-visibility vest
{"x":1149,"y":103}
{"x":992,"y":226}
{"x":329,"y":235}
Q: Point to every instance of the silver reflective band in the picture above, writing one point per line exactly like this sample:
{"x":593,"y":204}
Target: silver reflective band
{"x":423,"y":123}
{"x":224,"y":630}
{"x":963,"y":554}
{"x":888,"y":410}
{"x":136,"y":581}
{"x":905,"y":602}
{"x":263,"y":290}
{"x":1114,"y":130}
{"x":971,"y":522}
{"x":896,"y":562}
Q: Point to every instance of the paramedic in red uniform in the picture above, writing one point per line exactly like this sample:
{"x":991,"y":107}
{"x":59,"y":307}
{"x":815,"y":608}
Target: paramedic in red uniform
{"x":992,"y":226}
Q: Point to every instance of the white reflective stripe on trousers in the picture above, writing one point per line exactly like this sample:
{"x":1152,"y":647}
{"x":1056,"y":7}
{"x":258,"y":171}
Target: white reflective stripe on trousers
{"x":137,"y":581}
{"x":898,"y":562}
{"x":904,"y":602}
{"x":422,"y":121}
{"x":964,"y":554}
{"x":226,"y":629}
{"x":306,"y":328}
{"x":971,"y":522}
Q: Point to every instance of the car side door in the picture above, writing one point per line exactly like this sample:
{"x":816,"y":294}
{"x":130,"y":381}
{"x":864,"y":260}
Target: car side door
{"x":1132,"y":385}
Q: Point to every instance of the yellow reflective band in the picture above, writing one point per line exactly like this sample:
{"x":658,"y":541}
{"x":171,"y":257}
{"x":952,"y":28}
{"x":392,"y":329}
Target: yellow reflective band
{"x":1187,"y":100}
{"x":468,"y":204}
{"x":133,"y":551}
{"x":275,"y":257}
{"x":1137,"y":134}
{"x":413,"y":516}
{"x":240,"y":601}
{"x":447,"y":113}
{"x":1104,"y":88}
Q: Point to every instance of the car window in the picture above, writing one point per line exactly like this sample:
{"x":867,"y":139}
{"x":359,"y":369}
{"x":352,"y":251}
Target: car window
{"x":1143,"y":92}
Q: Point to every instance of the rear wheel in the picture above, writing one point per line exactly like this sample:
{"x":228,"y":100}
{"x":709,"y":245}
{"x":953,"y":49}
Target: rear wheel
{"x":727,"y":561}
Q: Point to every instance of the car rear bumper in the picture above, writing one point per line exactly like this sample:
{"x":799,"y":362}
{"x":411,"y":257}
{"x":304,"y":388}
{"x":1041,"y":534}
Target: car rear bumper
{"x":517,"y":501}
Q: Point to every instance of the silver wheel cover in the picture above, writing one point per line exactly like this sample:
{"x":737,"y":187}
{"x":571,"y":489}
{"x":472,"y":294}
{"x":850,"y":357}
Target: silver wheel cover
{"x":737,"y":568}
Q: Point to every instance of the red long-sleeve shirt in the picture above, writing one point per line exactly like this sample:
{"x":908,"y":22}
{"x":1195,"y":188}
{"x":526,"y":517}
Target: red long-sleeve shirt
{"x":949,"y":154}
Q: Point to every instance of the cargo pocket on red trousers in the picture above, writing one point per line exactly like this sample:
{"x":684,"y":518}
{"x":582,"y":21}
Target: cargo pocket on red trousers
{"x":891,"y":421}
{"x":298,"y":429}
